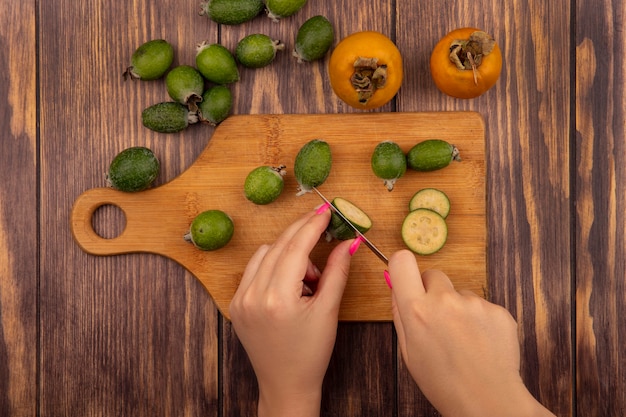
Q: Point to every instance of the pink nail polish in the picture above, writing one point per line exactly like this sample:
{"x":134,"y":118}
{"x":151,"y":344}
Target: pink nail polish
{"x":355,"y":245}
{"x":322,"y":208}
{"x":388,"y":279}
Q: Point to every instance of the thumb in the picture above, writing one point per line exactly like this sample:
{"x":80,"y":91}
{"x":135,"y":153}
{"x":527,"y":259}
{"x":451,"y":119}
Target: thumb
{"x":335,"y":276}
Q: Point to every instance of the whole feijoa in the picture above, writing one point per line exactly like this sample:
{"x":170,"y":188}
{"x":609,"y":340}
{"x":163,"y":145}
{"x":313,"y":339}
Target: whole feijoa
{"x":211,"y":230}
{"x":278,"y":9}
{"x":185,"y":85}
{"x":314,"y":39}
{"x":431,"y":155}
{"x":168,"y":117}
{"x":231,"y":12}
{"x":388,"y":163}
{"x":264,"y":184}
{"x":257,"y":50}
{"x":216,"y":104}
{"x":216,"y":63}
{"x":312,"y":165}
{"x":150,"y":61}
{"x":133,"y":169}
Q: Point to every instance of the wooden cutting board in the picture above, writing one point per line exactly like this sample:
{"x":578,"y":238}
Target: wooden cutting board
{"x":157,"y":219}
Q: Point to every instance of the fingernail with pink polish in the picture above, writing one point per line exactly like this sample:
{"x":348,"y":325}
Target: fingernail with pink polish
{"x":388,"y":279}
{"x":355,"y":245}
{"x":321,"y":209}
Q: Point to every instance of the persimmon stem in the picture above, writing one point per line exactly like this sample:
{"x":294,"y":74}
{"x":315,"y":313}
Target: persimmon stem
{"x":473,"y":63}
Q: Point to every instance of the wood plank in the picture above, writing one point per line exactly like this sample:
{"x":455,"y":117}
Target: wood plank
{"x":527,"y":123}
{"x":131,"y":335}
{"x":18,"y":212}
{"x":600,"y":242}
{"x":285,"y":88}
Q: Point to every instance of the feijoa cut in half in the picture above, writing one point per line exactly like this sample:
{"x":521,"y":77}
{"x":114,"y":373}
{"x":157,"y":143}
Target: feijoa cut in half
{"x":150,"y":60}
{"x":431,"y":155}
{"x":339,"y":229}
{"x":312,"y":165}
{"x":216,"y":104}
{"x":279,"y":9}
{"x":231,"y":12}
{"x":134,"y":169}
{"x":216,"y":63}
{"x":314,"y":39}
{"x":264,"y":184}
{"x":257,"y":50}
{"x":185,"y":85}
{"x":211,"y":230}
{"x":168,"y":117}
{"x":388,"y":163}
{"x":431,"y":198}
{"x":424,"y":231}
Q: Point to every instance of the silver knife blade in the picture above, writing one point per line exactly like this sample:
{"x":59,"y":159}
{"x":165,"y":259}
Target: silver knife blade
{"x":365,"y":240}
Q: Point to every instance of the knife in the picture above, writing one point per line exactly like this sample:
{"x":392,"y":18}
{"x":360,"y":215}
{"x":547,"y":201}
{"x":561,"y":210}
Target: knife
{"x":360,"y":235}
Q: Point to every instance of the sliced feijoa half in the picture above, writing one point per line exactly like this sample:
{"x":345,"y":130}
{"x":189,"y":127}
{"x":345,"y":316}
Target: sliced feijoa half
{"x":312,"y":165}
{"x":431,"y":198}
{"x":264,"y":184}
{"x":211,"y":230}
{"x":133,"y":169}
{"x":388,"y":163}
{"x":424,"y":231}
{"x":339,"y":229}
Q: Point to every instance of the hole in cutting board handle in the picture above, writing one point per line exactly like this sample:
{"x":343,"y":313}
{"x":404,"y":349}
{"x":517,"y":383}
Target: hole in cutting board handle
{"x":108,"y":221}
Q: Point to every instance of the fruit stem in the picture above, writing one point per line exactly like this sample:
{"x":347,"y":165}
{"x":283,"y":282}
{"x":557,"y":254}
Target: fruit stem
{"x":467,"y":54}
{"x":368,"y":76}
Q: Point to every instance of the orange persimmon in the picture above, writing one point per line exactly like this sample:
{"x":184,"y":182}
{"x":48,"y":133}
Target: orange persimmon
{"x":365,"y":70}
{"x":465,"y":63}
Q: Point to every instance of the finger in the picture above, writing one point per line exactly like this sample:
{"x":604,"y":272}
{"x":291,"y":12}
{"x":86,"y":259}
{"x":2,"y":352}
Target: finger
{"x":436,"y":281}
{"x":405,"y":277}
{"x":252,"y":267}
{"x":399,"y":325}
{"x":468,"y":293}
{"x":335,"y":276}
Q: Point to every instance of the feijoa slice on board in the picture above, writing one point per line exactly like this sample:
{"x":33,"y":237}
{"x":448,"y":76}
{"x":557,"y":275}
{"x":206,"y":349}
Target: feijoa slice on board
{"x":312,"y":165}
{"x":216,"y":63}
{"x":431,"y":198}
{"x":133,"y":169}
{"x":211,"y":230}
{"x":185,"y":85}
{"x":279,"y":9}
{"x":257,"y":50}
{"x":231,"y":12}
{"x":216,"y":104}
{"x":339,"y":229}
{"x":150,"y":60}
{"x":264,"y":184}
{"x":388,"y":163}
{"x":431,"y":155}
{"x":167,"y":117}
{"x":314,"y":39}
{"x":424,"y":231}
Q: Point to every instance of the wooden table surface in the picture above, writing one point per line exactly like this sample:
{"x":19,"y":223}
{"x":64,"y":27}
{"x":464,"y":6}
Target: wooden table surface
{"x":136,"y":335}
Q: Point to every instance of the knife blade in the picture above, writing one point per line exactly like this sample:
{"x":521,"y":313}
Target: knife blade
{"x":361,"y":236}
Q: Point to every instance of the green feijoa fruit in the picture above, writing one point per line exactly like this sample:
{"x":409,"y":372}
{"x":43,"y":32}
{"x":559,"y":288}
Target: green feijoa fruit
{"x":424,"y":231}
{"x":211,"y":230}
{"x":133,"y":169}
{"x":216,"y":63}
{"x":314,"y":39}
{"x":257,"y":50}
{"x":312,"y":165}
{"x":431,"y":155}
{"x":231,"y":12}
{"x":168,"y":117}
{"x":150,"y":61}
{"x":216,"y":104}
{"x":431,"y":198}
{"x":264,"y":184}
{"x":388,"y":163}
{"x":185,"y":85}
{"x":339,"y":229}
{"x":278,"y":9}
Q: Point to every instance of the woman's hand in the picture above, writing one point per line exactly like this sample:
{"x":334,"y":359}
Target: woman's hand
{"x":287,"y":329}
{"x":462,"y":350}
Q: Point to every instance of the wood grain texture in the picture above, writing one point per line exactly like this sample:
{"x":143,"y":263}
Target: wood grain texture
{"x":18,"y":212}
{"x":600,"y":242}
